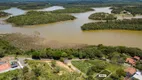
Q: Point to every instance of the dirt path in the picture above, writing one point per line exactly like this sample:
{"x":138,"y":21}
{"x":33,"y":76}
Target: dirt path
{"x":61,"y":64}
{"x":74,"y":68}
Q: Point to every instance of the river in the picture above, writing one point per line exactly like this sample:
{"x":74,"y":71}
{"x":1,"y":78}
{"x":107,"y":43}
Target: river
{"x":70,"y":31}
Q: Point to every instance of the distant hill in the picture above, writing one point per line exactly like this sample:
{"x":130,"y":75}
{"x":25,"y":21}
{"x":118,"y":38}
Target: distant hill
{"x":71,"y":0}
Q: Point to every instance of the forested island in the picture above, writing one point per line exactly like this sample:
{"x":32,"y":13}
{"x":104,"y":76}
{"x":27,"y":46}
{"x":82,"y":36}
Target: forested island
{"x":74,"y":10}
{"x":35,"y":17}
{"x":134,"y":10}
{"x":102,"y":16}
{"x":25,"y":6}
{"x":32,"y":6}
{"x":126,"y":24}
{"x":3,"y":14}
{"x":4,"y":7}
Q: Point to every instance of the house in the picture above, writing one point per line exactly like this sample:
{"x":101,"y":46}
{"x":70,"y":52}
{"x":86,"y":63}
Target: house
{"x":131,"y":61}
{"x":130,"y":71}
{"x":6,"y":59}
{"x":4,"y":66}
{"x":136,"y":58}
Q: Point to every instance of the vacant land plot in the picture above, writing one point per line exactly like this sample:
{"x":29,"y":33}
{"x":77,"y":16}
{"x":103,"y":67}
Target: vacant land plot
{"x":102,"y":75}
{"x":85,"y":65}
{"x":82,"y":65}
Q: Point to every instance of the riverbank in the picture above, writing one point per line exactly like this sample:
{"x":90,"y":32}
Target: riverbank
{"x":17,"y":41}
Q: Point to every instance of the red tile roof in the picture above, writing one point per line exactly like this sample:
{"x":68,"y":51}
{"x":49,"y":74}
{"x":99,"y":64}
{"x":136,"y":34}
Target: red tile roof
{"x":130,"y":70}
{"x":131,"y":61}
{"x":136,"y":57}
{"x":4,"y":66}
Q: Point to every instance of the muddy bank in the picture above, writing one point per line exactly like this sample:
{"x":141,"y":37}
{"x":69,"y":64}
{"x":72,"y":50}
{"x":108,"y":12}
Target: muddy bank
{"x":27,"y":42}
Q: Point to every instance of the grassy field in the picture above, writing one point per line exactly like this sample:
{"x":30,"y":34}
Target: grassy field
{"x":103,"y":72}
{"x":113,"y":67}
{"x":82,"y":66}
{"x":85,"y":65}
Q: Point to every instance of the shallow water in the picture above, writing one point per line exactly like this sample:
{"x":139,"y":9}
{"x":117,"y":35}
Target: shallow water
{"x":15,"y":11}
{"x":51,"y":8}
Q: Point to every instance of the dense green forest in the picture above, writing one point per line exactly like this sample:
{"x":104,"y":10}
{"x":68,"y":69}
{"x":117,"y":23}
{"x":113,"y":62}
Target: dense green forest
{"x":3,"y":14}
{"x":25,"y":6}
{"x":39,"y":4}
{"x":95,"y":1}
{"x":7,"y":49}
{"x":73,"y":10}
{"x":40,"y":71}
{"x":34,"y":17}
{"x":134,"y":10}
{"x":102,"y":16}
{"x":4,"y":7}
{"x":126,"y":24}
{"x":29,"y":6}
{"x":91,"y":52}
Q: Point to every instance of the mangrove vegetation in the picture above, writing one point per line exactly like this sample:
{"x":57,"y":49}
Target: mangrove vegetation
{"x":102,"y":16}
{"x":7,"y":49}
{"x":134,"y":10}
{"x":31,"y":6}
{"x":34,"y":17}
{"x":74,"y":10}
{"x":126,"y":24}
{"x":3,"y":14}
{"x":25,"y":6}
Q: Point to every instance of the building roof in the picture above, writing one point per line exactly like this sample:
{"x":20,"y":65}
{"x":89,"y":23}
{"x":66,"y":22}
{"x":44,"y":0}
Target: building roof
{"x":138,"y":75}
{"x":131,"y":61}
{"x":4,"y":66}
{"x":130,"y":70}
{"x":136,"y":57}
{"x":6,"y":59}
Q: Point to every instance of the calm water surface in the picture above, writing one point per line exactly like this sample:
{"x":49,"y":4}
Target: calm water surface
{"x":52,"y":8}
{"x":70,"y":31}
